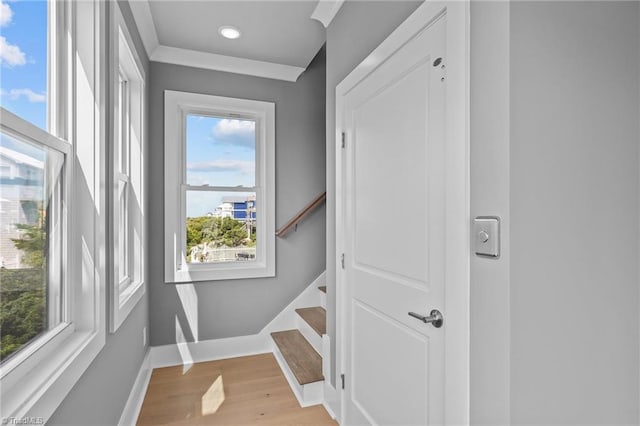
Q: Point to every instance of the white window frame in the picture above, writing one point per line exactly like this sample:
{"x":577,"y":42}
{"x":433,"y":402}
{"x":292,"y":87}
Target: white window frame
{"x":127,"y":265}
{"x":37,"y":379}
{"x":177,"y":106}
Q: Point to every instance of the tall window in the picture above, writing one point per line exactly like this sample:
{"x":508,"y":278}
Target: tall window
{"x":127,"y":199}
{"x":51,"y":275}
{"x":32,"y":185}
{"x":31,"y":240}
{"x":219,"y":180}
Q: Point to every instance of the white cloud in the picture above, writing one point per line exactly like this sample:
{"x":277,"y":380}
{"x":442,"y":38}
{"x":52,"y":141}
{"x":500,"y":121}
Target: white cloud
{"x":6,"y":14}
{"x":222,"y":166}
{"x":10,"y":54}
{"x":235,"y":132}
{"x":27,"y":93}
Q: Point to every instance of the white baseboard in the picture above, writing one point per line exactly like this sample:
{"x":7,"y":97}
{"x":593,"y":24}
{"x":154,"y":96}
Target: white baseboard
{"x":208,"y":350}
{"x":132,"y":408}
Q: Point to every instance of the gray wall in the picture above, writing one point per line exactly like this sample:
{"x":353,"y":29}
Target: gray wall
{"x":100,"y":395}
{"x":490,"y":323}
{"x":243,"y":307}
{"x":574,"y":212}
{"x":356,"y":31}
{"x":554,"y":144}
{"x":554,"y":153}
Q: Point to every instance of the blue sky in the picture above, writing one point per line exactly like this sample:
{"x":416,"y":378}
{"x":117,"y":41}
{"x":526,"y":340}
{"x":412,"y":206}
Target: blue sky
{"x":23,"y":66}
{"x":220,"y":152}
{"x":23,"y":59}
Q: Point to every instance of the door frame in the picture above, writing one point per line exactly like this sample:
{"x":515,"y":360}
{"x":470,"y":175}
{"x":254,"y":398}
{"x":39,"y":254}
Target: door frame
{"x":457,"y":264}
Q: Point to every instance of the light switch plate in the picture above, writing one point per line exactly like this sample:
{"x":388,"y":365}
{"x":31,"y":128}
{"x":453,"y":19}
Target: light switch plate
{"x":486,"y":236}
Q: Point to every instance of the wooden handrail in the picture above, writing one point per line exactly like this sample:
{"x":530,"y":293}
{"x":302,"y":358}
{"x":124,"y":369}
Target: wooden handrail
{"x":301,"y":215}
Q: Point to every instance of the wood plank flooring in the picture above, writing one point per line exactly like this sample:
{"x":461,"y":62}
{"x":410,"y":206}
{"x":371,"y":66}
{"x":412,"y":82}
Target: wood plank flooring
{"x":236,"y":391}
{"x":316,"y":317}
{"x":304,"y":362}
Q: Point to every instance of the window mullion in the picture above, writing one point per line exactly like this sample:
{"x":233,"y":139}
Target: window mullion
{"x":208,"y":188}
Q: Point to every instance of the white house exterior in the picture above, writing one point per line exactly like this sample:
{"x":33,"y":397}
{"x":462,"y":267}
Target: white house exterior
{"x":21,"y":191}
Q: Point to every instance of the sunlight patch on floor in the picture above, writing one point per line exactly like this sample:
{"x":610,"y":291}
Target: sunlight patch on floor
{"x":213,"y":397}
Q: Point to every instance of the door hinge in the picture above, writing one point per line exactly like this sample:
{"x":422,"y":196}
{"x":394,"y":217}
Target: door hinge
{"x":344,"y":138}
{"x":342,"y":260}
{"x":342,"y":378}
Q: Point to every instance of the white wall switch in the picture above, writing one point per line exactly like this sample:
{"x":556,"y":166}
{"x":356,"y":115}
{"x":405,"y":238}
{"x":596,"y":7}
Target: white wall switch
{"x":486,"y":236}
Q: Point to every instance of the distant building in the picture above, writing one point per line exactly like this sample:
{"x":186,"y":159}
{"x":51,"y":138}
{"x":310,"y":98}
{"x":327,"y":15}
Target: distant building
{"x":239,"y":208}
{"x":21,"y":195}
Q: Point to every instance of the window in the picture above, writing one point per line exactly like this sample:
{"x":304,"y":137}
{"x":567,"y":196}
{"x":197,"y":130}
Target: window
{"x":31,"y":279}
{"x":219,"y":188}
{"x":127,"y":283}
{"x":51,"y":279}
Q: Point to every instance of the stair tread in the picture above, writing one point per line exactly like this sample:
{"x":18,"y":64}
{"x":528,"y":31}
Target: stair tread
{"x":316,"y":317}
{"x":323,"y":288}
{"x":305,"y":363}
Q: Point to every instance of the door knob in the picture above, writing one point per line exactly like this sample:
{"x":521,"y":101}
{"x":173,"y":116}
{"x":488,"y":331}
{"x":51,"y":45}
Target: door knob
{"x":435,"y":318}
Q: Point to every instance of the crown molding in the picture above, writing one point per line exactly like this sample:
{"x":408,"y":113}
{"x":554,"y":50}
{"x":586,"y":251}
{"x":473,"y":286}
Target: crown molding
{"x":212,"y":61}
{"x":193,"y":58}
{"x":326,"y":10}
{"x":144,"y":21}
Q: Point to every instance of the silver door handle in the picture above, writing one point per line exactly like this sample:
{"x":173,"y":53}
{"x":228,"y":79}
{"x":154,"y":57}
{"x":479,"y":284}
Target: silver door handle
{"x":435,"y":318}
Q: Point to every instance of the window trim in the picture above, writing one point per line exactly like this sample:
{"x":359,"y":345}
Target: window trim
{"x":124,"y":297}
{"x":45,"y":375}
{"x":177,"y":106}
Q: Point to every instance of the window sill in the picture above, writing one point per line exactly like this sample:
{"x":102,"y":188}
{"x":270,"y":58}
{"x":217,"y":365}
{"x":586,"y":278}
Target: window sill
{"x":226,"y":272}
{"x":39,"y":393}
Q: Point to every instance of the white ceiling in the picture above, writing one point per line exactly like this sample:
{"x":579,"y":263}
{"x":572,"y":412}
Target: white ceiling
{"x":281,"y":32}
{"x":279,"y":38}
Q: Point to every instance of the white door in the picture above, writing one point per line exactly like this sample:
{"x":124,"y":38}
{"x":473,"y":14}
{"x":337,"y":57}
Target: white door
{"x":394,"y":176}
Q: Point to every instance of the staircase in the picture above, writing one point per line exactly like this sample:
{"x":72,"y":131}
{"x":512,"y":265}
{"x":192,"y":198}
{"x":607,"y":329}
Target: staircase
{"x":298,"y":352}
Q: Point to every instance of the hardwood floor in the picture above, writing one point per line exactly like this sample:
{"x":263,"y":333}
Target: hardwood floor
{"x":241,"y":391}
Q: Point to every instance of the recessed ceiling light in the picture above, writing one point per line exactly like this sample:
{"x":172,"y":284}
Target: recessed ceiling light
{"x":229,"y":32}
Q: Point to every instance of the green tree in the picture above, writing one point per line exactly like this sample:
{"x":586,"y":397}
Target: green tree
{"x":219,"y":231}
{"x":22,"y":316}
{"x":23,"y":291}
{"x":31,"y":244}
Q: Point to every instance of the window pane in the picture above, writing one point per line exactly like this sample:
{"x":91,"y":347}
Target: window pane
{"x":123,"y":232}
{"x":23,"y":58}
{"x":30,"y":242}
{"x":123,"y":125}
{"x":221,"y":226}
{"x":220,"y":151}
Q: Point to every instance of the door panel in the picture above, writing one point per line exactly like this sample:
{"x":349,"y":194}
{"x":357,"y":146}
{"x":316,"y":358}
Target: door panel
{"x":395,"y":236}
{"x":390,"y":185}
{"x":402,"y":346}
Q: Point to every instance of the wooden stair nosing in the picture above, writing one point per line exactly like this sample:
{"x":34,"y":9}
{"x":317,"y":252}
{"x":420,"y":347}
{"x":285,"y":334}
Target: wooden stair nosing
{"x":316,"y":317}
{"x":303,"y":361}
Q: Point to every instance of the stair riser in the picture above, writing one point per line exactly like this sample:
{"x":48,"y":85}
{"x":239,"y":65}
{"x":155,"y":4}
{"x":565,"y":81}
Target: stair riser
{"x":307,"y":395}
{"x":309,"y":333}
{"x":323,"y":300}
